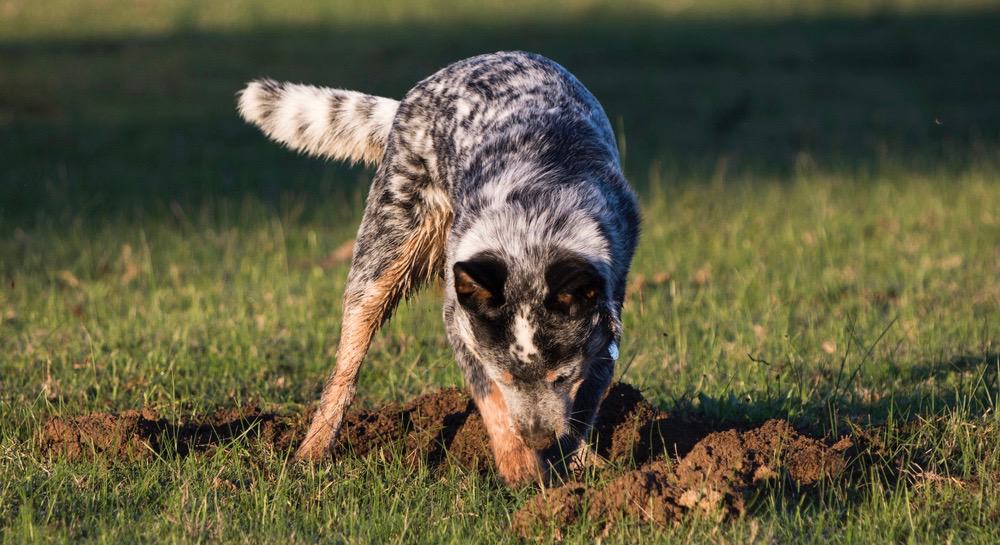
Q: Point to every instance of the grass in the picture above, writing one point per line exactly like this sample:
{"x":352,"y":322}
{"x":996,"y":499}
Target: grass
{"x":821,"y":242}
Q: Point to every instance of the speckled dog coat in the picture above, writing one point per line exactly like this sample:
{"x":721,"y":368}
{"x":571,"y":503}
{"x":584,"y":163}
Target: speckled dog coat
{"x":500,"y":174}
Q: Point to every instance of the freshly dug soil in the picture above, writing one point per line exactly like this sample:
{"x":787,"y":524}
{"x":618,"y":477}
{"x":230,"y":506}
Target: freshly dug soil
{"x":712,"y":479}
{"x":434,"y":428}
{"x":133,"y":435}
{"x":684,"y":466}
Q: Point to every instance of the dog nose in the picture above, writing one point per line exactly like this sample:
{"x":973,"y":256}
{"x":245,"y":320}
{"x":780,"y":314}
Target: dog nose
{"x":537,"y":436}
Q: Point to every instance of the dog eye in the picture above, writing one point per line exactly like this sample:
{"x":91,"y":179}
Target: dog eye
{"x":560,"y":380}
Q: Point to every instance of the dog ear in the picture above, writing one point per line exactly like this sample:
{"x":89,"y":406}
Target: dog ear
{"x":479,"y":283}
{"x":575,"y":286}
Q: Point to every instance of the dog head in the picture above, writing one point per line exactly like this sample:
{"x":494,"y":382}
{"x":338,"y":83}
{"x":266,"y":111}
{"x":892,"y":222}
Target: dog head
{"x":544,"y":327}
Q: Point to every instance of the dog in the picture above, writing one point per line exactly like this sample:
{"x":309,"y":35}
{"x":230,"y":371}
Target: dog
{"x":499,"y":174}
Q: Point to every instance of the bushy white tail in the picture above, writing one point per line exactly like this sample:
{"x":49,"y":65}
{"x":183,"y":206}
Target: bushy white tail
{"x":334,"y":123}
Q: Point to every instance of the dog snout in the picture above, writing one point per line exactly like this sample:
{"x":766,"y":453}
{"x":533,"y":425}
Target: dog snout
{"x":537,"y":436}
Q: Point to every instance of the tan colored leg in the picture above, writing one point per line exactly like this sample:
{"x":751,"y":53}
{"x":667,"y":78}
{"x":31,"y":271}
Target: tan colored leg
{"x":516,"y":462}
{"x":368,"y":303}
{"x":338,"y":391}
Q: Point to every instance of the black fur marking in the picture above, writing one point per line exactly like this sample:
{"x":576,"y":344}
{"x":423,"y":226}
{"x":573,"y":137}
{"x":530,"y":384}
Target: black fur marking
{"x":336,"y":113}
{"x":365,"y":106}
{"x":575,"y":286}
{"x":479,"y":283}
{"x":272,"y":94}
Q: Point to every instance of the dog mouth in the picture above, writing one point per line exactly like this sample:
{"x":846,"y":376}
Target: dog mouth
{"x":537,"y":436}
{"x":540,"y":441}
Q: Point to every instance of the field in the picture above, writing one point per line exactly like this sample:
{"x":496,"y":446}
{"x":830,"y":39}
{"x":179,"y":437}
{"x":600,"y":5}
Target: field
{"x":820,"y":185}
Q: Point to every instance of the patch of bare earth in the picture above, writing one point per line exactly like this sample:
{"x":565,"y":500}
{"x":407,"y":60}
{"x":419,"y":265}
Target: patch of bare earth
{"x":433,"y":428}
{"x":683,"y":466}
{"x":712,"y":479}
{"x":134,"y":435}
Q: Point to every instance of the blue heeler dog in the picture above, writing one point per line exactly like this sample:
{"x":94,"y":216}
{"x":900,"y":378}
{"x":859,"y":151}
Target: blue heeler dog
{"x":499,"y":174}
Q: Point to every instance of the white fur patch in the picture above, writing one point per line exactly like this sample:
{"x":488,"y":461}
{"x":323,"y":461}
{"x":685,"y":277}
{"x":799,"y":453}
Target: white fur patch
{"x":507,"y":228}
{"x":613,"y":350}
{"x":319,"y":120}
{"x":524,"y":347}
{"x":462,"y":108}
{"x":436,"y":196}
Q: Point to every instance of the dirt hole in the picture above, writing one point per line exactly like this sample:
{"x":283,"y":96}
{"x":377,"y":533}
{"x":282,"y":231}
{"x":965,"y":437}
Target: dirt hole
{"x":681,"y":466}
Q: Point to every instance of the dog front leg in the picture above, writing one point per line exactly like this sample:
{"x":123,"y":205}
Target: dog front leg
{"x":516,"y":462}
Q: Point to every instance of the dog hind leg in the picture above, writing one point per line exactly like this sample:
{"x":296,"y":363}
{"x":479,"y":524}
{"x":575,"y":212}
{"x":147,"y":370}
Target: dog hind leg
{"x":400,"y":244}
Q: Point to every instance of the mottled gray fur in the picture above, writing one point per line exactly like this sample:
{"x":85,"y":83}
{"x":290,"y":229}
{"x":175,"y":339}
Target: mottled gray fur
{"x":519,"y":157}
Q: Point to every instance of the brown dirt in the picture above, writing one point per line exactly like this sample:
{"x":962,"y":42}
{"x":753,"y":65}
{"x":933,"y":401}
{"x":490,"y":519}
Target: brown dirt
{"x":142,"y":434}
{"x":714,"y":478}
{"x":684,"y":466}
{"x":630,"y":429}
{"x":434,"y":428}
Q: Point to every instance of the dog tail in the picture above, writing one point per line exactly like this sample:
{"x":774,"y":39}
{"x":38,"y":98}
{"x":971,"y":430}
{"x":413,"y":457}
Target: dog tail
{"x":333,"y":123}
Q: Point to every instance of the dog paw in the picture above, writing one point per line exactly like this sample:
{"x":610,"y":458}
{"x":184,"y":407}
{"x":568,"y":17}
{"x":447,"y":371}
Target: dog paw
{"x":585,"y":458}
{"x":520,"y":467}
{"x":313,"y":449}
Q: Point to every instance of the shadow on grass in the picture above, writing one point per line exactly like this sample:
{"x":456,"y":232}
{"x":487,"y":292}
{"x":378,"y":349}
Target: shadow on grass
{"x":968,"y":383}
{"x":139,"y":126}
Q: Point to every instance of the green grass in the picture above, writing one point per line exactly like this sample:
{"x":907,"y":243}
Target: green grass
{"x":821,"y":194}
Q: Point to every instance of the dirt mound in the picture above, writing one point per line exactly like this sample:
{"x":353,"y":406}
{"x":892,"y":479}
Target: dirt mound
{"x":434,"y":428}
{"x":684,"y":465}
{"x":141,"y":434}
{"x":630,"y":429}
{"x":713,"y":479}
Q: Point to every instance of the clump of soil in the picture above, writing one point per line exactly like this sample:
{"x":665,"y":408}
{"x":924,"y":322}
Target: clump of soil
{"x":135,"y":435}
{"x":433,"y":428}
{"x":713,"y":479}
{"x":684,"y":466}
{"x":630,"y":429}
